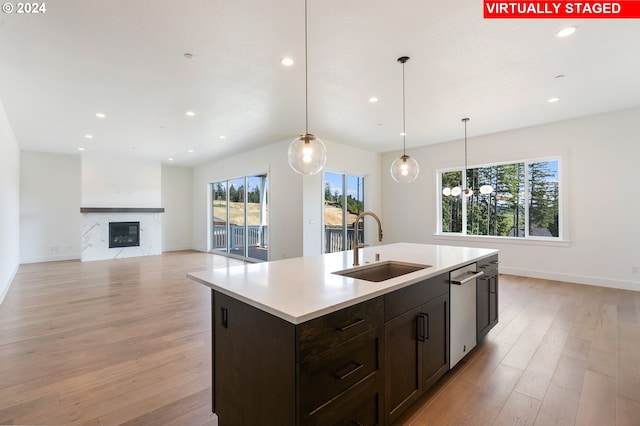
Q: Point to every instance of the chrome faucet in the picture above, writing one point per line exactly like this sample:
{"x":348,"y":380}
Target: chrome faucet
{"x":357,"y":245}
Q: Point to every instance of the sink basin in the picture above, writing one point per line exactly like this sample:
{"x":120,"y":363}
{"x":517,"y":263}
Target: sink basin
{"x":381,"y":271}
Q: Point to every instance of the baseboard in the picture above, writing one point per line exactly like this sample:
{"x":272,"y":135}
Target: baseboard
{"x":572,"y":278}
{"x":165,"y":249}
{"x":56,"y":258}
{"x":6,"y":286}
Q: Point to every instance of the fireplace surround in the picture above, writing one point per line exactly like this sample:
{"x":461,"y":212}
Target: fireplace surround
{"x":97,"y":235}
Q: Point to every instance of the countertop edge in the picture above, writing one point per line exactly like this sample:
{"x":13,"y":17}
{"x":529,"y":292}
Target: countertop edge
{"x":393,"y":286}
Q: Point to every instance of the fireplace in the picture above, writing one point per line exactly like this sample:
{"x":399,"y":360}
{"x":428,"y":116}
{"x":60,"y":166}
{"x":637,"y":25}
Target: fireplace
{"x":124,"y":234}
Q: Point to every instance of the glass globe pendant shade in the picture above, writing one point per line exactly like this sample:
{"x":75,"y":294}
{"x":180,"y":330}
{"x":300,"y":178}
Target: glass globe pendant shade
{"x":486,"y":189}
{"x":404,"y":169}
{"x":307,"y":154}
{"x":455,"y":191}
{"x":446,"y":191}
{"x":468,"y":192}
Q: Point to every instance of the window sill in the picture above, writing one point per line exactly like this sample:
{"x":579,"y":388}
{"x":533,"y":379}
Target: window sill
{"x":531,"y":241}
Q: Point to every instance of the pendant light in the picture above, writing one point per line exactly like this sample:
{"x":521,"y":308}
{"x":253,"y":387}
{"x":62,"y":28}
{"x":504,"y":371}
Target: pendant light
{"x":404,"y":169}
{"x":307,"y":154}
{"x":468,"y":192}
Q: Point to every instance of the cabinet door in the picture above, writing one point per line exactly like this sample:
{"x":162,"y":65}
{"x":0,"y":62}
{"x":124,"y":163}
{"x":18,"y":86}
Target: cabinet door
{"x":493,"y":300}
{"x":403,"y":362}
{"x":483,"y":316}
{"x":254,"y":365}
{"x":433,"y":334}
{"x":487,"y":306}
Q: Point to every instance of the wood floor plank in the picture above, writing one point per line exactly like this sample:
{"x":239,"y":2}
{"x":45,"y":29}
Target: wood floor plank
{"x":597,"y":404}
{"x":519,"y":410}
{"x":559,"y":407}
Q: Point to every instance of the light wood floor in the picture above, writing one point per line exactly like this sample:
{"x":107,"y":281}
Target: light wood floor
{"x":128,"y":342}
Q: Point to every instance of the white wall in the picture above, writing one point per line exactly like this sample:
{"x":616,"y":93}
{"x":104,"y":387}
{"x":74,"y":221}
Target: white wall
{"x":49,"y":207}
{"x":120,"y":182}
{"x":601,"y":175}
{"x":177,"y":200}
{"x":50,"y":200}
{"x":10,"y":204}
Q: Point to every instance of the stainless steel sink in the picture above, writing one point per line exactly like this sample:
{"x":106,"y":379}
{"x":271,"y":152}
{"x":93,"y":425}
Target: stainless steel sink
{"x":381,"y":271}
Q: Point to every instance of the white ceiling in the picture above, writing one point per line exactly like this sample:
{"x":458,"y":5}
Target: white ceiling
{"x":126,"y":59}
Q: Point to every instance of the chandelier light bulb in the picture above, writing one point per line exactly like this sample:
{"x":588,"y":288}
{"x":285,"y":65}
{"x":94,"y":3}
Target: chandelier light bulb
{"x":486,"y":189}
{"x":456,"y":191}
{"x":446,"y":191}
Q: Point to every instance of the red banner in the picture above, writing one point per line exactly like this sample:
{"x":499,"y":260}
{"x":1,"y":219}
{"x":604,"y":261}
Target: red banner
{"x":561,"y":9}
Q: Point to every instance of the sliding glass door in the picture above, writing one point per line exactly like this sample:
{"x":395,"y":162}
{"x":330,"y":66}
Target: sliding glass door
{"x":240,"y":217}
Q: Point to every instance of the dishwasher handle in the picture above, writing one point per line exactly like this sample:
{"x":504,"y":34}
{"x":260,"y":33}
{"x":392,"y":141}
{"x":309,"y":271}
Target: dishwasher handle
{"x":467,"y":279}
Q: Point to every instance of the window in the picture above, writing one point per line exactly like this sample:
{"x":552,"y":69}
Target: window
{"x":524,"y":200}
{"x":340,"y":212}
{"x":240,"y":216}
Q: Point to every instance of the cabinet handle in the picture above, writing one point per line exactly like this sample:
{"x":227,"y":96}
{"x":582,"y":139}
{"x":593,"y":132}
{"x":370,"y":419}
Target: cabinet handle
{"x":348,"y":373}
{"x":225,"y":317}
{"x":467,"y":279}
{"x":492,"y":288}
{"x":423,"y":327}
{"x":353,"y":324}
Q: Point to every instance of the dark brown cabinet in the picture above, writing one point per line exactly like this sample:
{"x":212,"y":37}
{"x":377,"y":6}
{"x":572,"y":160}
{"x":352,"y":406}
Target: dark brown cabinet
{"x":417,"y":341}
{"x":487,"y":296}
{"x":327,"y":371}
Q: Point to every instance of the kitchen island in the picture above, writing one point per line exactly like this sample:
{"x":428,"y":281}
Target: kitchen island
{"x":296,"y":343}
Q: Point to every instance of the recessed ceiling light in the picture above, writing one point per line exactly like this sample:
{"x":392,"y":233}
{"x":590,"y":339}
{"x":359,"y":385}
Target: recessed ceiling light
{"x":287,"y":62}
{"x":190,"y":113}
{"x":170,"y":159}
{"x":566,"y":32}
{"x":553,"y":100}
{"x":222,"y":137}
{"x":188,"y":55}
{"x":100,"y":115}
{"x":88,"y":136}
{"x":403,"y":134}
{"x":373,"y":99}
{"x":80,"y":148}
{"x":190,"y":150}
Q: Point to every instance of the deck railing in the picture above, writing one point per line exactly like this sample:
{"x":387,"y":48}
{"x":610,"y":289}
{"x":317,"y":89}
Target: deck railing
{"x":333,"y":239}
{"x":257,"y":236}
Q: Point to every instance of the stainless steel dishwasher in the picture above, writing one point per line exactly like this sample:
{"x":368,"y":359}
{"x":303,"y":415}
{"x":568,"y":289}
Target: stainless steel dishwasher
{"x":463,"y":312}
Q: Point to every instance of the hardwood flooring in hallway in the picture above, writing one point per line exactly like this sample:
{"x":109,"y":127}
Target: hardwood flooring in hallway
{"x":128,"y":342}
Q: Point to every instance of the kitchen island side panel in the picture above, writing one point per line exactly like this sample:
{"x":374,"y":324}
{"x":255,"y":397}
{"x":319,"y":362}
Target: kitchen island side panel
{"x":253,"y":365}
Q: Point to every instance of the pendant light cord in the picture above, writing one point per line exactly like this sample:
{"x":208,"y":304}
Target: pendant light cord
{"x":404,"y":119}
{"x":465,"y":143}
{"x":306,"y":72}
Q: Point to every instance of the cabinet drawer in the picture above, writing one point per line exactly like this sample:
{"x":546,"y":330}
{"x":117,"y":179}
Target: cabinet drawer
{"x":405,"y":299}
{"x":327,"y":375}
{"x":320,"y":334}
{"x":361,"y":405}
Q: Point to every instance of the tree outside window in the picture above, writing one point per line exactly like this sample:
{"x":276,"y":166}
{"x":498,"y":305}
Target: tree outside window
{"x":505,"y":211}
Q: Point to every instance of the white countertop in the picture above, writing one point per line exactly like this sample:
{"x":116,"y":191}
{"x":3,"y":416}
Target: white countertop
{"x":304,"y":288}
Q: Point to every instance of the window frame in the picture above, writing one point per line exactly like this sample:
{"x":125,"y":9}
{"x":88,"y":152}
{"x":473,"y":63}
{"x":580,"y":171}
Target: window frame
{"x":561,"y":239}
